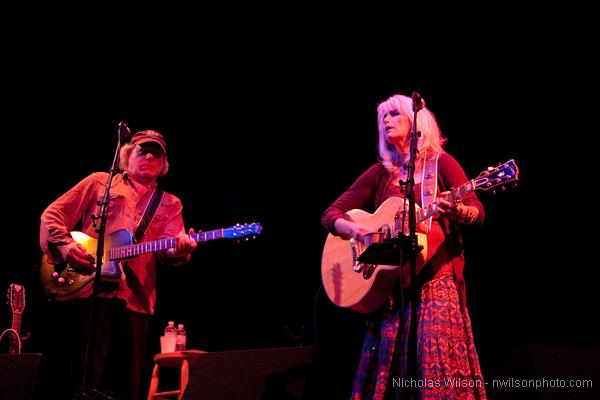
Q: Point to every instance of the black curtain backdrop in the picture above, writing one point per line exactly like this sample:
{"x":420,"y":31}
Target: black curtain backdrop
{"x":259,"y":132}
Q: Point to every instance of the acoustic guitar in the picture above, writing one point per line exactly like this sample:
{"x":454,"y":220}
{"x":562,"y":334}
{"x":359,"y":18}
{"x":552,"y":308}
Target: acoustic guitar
{"x":361,"y":287}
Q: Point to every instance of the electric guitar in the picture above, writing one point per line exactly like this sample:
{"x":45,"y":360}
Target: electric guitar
{"x":361,"y":287}
{"x":62,"y":282}
{"x":16,"y":299}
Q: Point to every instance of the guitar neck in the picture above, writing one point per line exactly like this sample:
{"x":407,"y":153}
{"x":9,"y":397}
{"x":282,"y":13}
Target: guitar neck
{"x":121,"y":252}
{"x":454,"y":195}
{"x":16,"y":322}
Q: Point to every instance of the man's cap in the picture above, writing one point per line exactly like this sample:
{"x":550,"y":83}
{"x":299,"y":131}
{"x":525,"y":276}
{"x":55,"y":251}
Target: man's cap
{"x":149,"y":136}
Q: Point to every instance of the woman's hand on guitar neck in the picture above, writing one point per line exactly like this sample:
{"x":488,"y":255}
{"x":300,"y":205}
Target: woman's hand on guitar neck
{"x":456,"y":210}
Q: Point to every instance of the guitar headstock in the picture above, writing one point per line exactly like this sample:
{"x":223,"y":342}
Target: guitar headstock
{"x":239,"y":231}
{"x":16,"y":298}
{"x":501,"y":175}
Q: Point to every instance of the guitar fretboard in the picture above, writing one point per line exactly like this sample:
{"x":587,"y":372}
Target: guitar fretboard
{"x":454,"y":195}
{"x":133,"y":250}
{"x":16,"y":322}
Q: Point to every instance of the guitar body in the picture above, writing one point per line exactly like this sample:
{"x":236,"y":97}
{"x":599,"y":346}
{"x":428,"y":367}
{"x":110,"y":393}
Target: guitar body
{"x":76,"y":283}
{"x":365,"y":290}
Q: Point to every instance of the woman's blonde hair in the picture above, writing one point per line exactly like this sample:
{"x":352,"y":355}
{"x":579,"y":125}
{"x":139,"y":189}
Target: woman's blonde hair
{"x":430,"y":142}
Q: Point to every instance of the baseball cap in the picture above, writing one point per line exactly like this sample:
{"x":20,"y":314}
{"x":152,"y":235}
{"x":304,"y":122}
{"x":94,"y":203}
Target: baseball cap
{"x":149,"y":136}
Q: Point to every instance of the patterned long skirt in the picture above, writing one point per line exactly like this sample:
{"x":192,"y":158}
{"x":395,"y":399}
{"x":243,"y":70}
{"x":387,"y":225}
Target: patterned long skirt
{"x":447,"y":362}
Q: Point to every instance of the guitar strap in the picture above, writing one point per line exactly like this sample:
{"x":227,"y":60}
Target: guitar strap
{"x":429,"y":184}
{"x":148,"y":214}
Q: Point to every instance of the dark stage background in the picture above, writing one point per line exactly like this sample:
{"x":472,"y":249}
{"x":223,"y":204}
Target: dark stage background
{"x":269,"y":134}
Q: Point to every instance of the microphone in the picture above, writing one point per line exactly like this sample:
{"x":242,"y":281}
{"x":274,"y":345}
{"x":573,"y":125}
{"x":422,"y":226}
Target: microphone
{"x":417,"y":100}
{"x":124,"y":130}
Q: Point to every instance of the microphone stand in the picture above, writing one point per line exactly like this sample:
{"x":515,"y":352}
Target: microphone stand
{"x":123,"y":133}
{"x":413,"y":249}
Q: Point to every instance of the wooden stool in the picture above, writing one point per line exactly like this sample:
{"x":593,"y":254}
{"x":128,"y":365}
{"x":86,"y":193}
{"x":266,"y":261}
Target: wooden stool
{"x":176,"y":359}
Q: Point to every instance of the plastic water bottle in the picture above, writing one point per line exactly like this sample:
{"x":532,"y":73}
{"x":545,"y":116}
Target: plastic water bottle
{"x":181,"y":338}
{"x":170,"y":330}
{"x":168,"y":341}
